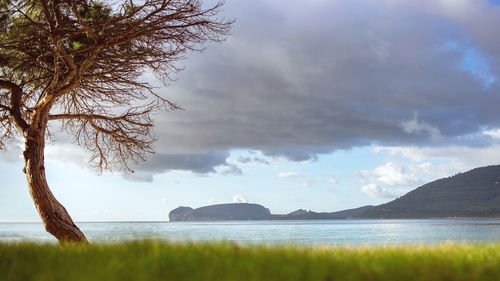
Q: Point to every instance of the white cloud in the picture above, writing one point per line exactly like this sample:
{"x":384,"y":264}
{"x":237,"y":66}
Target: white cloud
{"x":332,"y":180}
{"x":433,"y":171}
{"x":459,"y":157}
{"x":239,"y":199}
{"x":289,"y":175}
{"x":415,"y":126}
{"x":373,"y":190}
{"x":306,"y":183}
{"x":228,"y":169}
{"x":380,"y":182}
{"x":389,"y":174}
{"x":14,"y":151}
{"x":296,"y":177}
{"x":494,"y":133}
{"x":67,"y":153}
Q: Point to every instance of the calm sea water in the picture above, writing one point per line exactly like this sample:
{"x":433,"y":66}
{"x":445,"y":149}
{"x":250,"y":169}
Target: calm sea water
{"x":320,"y":232}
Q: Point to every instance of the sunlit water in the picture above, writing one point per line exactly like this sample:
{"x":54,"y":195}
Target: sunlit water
{"x":319,"y":232}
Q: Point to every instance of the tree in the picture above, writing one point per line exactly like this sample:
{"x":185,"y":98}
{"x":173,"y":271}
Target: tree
{"x":78,"y":65}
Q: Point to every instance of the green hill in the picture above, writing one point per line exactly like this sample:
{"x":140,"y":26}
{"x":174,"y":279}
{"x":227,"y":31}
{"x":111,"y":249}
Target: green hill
{"x":240,"y":211}
{"x":472,"y":194}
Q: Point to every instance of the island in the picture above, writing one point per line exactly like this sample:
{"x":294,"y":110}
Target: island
{"x":247,"y":211}
{"x":240,"y":211}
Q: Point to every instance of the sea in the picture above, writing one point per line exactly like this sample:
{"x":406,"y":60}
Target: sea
{"x":306,"y":232}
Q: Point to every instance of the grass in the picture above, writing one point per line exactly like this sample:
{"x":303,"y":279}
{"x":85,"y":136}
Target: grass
{"x":160,"y":260}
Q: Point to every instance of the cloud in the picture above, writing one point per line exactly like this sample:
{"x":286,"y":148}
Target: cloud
{"x":67,"y":153}
{"x":200,"y":163}
{"x":280,"y":86}
{"x":414,"y":126}
{"x":375,"y":191}
{"x":385,"y":181}
{"x":461,"y":157}
{"x":296,"y":177}
{"x":229,"y":169}
{"x":302,"y":78}
{"x":239,"y":199}
{"x":332,"y":180}
{"x":494,"y":133}
{"x":306,"y":183}
{"x":432,"y":171}
{"x":253,"y":160}
{"x":14,"y":152}
{"x":289,"y":175}
{"x":389,"y":174}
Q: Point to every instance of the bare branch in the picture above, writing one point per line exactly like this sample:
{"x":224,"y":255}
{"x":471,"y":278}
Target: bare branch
{"x":6,"y":108}
{"x":82,"y":62}
{"x":90,"y":118}
{"x":16,"y":94}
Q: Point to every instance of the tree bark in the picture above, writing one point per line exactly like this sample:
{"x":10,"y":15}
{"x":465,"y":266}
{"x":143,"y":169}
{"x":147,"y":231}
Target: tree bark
{"x":56,"y":219}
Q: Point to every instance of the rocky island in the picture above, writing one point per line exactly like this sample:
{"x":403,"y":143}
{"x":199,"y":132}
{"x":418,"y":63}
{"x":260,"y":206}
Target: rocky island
{"x":241,"y":211}
{"x":246,"y":211}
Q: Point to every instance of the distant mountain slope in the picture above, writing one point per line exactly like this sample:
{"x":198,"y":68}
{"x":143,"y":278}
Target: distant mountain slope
{"x":245,"y":211}
{"x":350,"y":213}
{"x":472,"y":194}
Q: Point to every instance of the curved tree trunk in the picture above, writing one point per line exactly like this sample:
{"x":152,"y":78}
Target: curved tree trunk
{"x":53,"y":214}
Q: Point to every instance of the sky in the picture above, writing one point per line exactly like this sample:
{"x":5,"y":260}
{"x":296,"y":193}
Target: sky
{"x":320,"y":105}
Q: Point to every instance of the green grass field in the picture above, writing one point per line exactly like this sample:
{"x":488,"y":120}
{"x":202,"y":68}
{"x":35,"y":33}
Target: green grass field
{"x":159,"y":260}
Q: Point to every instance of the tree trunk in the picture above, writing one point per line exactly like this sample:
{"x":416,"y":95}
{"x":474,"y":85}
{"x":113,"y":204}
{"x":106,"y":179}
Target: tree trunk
{"x":53,"y":214}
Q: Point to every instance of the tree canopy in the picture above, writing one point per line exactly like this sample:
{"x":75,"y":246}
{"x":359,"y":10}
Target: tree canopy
{"x":81,"y":63}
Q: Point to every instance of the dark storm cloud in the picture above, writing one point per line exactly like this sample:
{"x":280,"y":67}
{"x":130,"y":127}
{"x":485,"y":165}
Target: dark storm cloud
{"x":258,"y":160}
{"x":301,"y":78}
{"x":199,"y":163}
